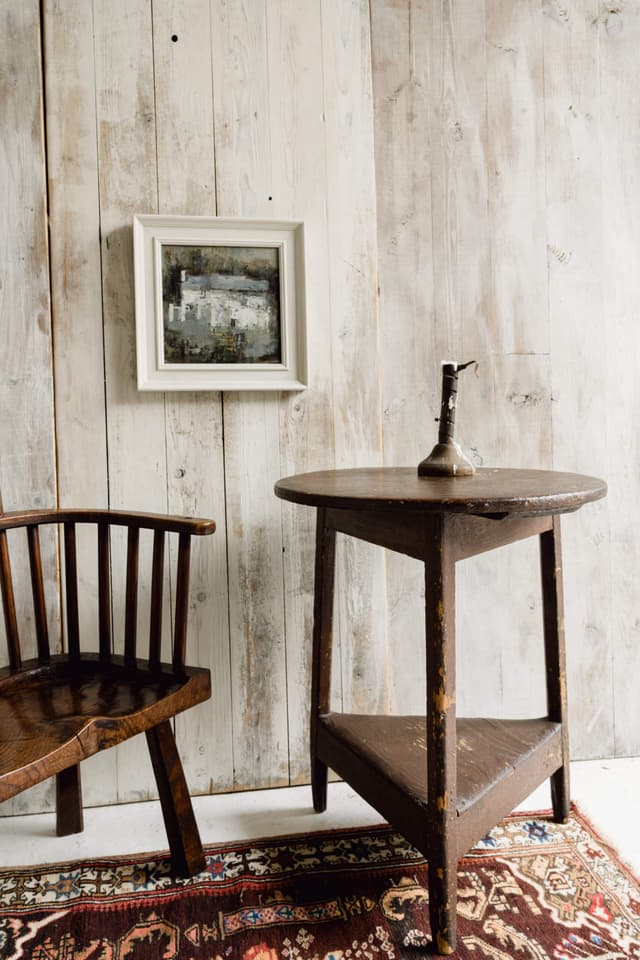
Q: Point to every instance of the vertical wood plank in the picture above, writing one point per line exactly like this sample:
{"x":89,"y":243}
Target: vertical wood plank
{"x":575,"y":254}
{"x":618,"y":29}
{"x":125,"y":104}
{"x":521,"y":373}
{"x":26,"y":431}
{"x":299,"y":189}
{"x":256,"y":613}
{"x":506,"y":400}
{"x":346,"y":45}
{"x":516,"y":168}
{"x":409,"y":359}
{"x":245,"y":140}
{"x":196,"y":487}
{"x":463,"y":325}
{"x":76,"y":292}
{"x":27,"y":473}
{"x":76,"y":289}
{"x":194,"y":430}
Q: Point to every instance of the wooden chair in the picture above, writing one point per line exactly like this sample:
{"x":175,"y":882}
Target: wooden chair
{"x":58,"y":709}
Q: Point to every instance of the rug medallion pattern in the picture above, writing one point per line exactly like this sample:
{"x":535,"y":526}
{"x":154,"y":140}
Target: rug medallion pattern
{"x":531,"y":889}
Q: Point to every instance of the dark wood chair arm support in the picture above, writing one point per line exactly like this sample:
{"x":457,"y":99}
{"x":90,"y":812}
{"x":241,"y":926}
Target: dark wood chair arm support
{"x":146,"y":521}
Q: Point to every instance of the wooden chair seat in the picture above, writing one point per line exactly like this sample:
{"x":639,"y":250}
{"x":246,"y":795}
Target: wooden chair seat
{"x":62,"y":707}
{"x":62,"y":713}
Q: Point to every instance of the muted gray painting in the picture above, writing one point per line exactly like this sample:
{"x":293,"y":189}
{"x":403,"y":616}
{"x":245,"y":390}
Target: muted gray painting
{"x":221,"y":304}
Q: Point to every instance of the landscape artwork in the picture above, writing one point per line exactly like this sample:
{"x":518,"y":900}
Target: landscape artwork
{"x":221,"y":304}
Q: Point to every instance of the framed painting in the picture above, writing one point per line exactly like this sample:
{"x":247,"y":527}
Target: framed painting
{"x":220,"y":303}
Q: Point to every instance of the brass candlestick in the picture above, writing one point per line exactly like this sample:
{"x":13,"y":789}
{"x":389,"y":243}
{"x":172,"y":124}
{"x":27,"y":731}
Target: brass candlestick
{"x":447,"y":459}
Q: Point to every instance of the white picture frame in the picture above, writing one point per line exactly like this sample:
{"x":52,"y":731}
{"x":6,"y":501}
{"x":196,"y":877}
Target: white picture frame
{"x":220,"y":303}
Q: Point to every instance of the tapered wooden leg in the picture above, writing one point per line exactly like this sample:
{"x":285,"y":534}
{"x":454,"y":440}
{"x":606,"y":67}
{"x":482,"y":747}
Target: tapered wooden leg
{"x":554,"y":647}
{"x":187,"y":857}
{"x":441,"y":734}
{"x":443,"y":889}
{"x":69,"y":818}
{"x":321,"y":656}
{"x":319,"y":778}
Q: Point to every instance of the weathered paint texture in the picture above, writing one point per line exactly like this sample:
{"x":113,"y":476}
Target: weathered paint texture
{"x":470,"y":190}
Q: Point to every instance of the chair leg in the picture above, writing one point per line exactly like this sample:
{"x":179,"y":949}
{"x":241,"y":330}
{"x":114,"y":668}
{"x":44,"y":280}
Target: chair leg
{"x":187,"y":857}
{"x":69,"y":817}
{"x":319,"y":777}
{"x":560,"y":793}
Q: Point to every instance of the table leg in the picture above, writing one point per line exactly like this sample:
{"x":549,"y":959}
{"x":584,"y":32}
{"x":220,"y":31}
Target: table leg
{"x":441,"y":732}
{"x":554,"y":648}
{"x":322,"y":647}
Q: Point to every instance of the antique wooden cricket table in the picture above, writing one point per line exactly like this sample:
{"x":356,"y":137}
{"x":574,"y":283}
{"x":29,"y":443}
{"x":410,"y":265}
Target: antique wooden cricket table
{"x":442,"y":781}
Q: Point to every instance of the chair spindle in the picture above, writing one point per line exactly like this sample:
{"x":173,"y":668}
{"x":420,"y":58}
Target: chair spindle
{"x":71,"y":589}
{"x":37,"y":588}
{"x":104,"y":591}
{"x":131,"y":611}
{"x":155,"y":620}
{"x":9,"y":605}
{"x":182,"y":601}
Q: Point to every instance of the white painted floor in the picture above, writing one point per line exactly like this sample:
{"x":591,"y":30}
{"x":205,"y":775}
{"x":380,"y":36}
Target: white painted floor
{"x":606,"y":791}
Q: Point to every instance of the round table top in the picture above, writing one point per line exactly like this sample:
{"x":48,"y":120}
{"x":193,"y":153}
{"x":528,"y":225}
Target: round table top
{"x":488,"y":491}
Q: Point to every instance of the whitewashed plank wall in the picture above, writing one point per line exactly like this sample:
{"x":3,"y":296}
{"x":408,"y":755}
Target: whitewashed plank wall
{"x":26,"y":382}
{"x":616,"y":344}
{"x":467,"y":171}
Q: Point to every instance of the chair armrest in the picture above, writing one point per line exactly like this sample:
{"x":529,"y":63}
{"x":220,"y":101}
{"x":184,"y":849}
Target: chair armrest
{"x":147,"y":521}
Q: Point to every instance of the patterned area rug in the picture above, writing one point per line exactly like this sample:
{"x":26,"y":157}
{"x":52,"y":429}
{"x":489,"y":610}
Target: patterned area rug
{"x":531,"y":890}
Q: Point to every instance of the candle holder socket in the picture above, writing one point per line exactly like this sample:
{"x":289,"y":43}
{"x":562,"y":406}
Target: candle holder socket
{"x":447,"y":459}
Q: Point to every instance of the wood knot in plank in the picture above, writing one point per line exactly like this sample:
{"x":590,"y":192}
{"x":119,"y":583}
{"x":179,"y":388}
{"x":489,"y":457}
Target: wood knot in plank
{"x":526,"y":399}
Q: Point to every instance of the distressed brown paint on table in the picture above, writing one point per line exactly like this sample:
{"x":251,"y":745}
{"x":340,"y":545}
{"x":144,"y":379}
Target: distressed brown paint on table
{"x":442,"y":781}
